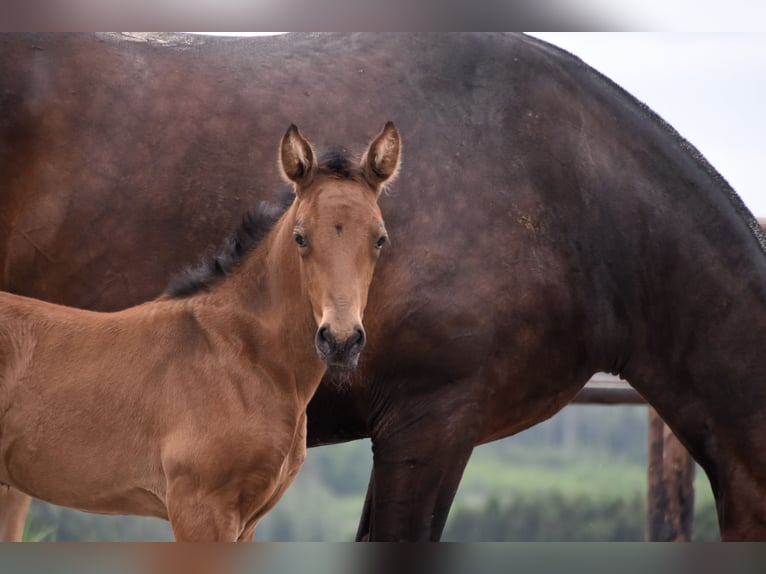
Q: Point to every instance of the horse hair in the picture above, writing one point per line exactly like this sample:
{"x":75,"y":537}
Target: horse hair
{"x":215,"y":267}
{"x":336,"y":161}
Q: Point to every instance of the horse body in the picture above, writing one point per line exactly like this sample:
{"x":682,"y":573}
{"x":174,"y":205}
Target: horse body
{"x":107,"y":412}
{"x":152,"y":410}
{"x":581,"y":234}
{"x":171,"y":372}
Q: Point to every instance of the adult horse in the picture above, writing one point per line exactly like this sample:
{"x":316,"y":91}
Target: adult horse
{"x":192,"y":407}
{"x":581,"y":234}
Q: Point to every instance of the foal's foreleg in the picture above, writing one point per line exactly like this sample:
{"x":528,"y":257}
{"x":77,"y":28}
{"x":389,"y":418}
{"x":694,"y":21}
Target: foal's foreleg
{"x":248,"y":533}
{"x":13,"y":514}
{"x":199,"y":514}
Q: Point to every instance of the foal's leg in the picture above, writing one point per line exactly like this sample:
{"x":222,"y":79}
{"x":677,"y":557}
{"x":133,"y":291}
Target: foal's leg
{"x":13,"y":513}
{"x":248,"y":533}
{"x":269,"y":502}
{"x":199,"y":514}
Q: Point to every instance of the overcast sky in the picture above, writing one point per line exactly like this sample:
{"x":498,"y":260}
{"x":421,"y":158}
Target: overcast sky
{"x":710,"y":87}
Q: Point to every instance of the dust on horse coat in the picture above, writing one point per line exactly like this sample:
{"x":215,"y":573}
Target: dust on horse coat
{"x":192,"y":407}
{"x":550,"y":227}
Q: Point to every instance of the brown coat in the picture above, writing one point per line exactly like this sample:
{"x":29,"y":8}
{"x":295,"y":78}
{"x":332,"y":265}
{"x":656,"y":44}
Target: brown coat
{"x":192,"y":407}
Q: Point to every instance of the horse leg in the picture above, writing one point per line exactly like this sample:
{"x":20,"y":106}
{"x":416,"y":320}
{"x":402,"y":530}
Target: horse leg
{"x":417,"y":464}
{"x":725,"y":448}
{"x":414,"y":489}
{"x":202,"y":515}
{"x":363,"y":531}
{"x":740,"y":494}
{"x":248,"y":533}
{"x":216,"y":517}
{"x":741,"y":508}
{"x":14,"y":506}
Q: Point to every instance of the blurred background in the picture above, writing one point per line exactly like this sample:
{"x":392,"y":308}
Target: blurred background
{"x":580,"y":476}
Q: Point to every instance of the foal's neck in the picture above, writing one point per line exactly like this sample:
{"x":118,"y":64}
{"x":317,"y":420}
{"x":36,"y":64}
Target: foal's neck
{"x":268,"y":291}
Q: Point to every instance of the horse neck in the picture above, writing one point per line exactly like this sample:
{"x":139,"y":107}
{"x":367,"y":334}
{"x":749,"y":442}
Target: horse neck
{"x":268,"y":291}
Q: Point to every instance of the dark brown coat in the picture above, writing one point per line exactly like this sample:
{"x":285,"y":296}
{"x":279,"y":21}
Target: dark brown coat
{"x":547,"y":226}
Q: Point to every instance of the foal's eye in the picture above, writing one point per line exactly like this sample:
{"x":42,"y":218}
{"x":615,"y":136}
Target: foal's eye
{"x":298,"y":238}
{"x":379,"y":243}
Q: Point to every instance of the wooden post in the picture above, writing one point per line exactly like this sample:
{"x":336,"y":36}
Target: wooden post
{"x":670,"y":492}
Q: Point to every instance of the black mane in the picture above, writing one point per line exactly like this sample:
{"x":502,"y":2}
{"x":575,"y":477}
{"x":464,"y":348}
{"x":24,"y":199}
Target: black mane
{"x":335,"y":162}
{"x":214,"y":267}
{"x":338,"y":162}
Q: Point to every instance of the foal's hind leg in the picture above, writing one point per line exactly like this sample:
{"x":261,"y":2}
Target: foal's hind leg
{"x":13,"y":513}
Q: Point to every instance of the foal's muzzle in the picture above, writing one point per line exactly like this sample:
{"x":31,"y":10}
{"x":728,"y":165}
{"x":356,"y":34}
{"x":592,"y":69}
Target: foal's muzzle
{"x":341,"y":355}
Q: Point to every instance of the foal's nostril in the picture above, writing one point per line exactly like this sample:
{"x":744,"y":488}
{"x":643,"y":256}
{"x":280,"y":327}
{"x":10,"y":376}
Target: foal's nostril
{"x":325,"y":342}
{"x":356,"y":340}
{"x":341,"y":354}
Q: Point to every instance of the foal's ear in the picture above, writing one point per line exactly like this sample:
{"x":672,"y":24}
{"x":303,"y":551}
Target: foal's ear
{"x":381,"y":160}
{"x":296,"y":157}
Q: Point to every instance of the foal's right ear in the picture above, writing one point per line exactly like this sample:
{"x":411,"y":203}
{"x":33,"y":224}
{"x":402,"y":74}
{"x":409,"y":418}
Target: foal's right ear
{"x":296,"y":157}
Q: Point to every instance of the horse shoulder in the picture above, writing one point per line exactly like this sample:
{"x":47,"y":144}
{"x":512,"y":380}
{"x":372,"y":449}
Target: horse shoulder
{"x":20,"y":320}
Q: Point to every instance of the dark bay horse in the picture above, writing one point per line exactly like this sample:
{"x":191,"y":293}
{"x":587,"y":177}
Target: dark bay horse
{"x":552,"y":227}
{"x":192,"y":407}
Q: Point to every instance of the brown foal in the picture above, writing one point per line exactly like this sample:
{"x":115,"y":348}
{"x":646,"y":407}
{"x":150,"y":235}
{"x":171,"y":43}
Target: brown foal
{"x":192,"y":407}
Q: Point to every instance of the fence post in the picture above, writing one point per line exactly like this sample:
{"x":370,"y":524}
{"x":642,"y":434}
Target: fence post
{"x":670,"y":492}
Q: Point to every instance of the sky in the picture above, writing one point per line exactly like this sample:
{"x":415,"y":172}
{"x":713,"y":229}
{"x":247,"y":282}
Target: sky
{"x":674,"y":15}
{"x":711,"y":87}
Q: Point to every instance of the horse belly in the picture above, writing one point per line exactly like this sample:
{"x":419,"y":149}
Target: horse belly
{"x":538,"y":374}
{"x":94,"y":490}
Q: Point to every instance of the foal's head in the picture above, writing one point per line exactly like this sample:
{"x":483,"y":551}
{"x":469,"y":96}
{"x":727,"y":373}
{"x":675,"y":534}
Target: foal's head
{"x":339,"y":233}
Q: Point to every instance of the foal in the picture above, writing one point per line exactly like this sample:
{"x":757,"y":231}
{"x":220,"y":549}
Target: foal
{"x":192,"y":407}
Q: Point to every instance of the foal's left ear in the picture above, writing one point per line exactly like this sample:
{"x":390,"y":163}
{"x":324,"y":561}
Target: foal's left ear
{"x":296,"y":157}
{"x":380,"y":162}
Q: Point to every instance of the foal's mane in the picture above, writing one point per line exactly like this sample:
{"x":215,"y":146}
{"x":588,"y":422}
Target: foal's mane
{"x":334,"y":162}
{"x":216,"y":266}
